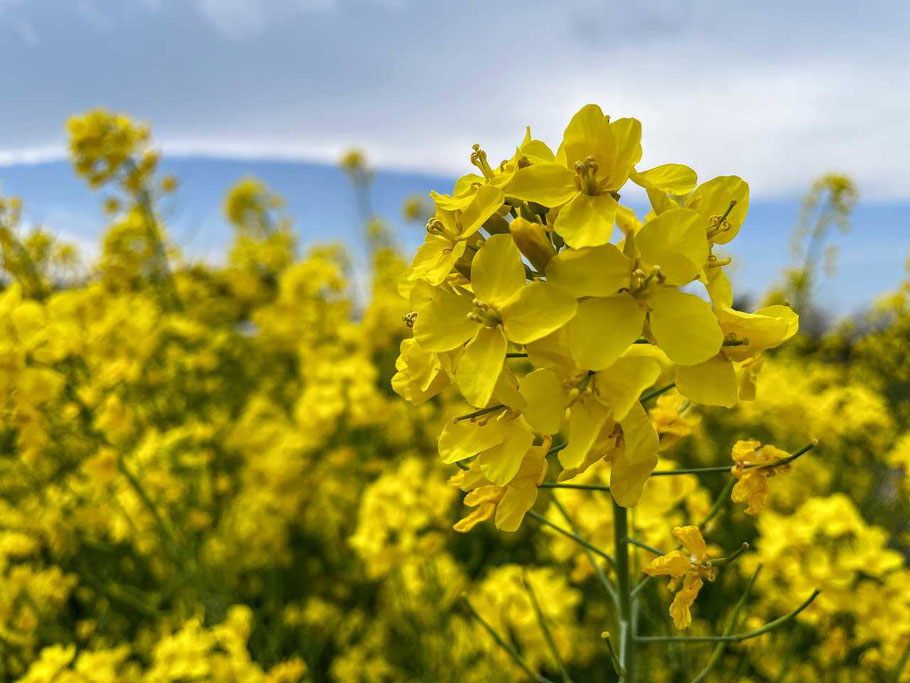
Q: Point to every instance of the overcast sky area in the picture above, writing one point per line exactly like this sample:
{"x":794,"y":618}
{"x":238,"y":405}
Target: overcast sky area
{"x":775,"y":92}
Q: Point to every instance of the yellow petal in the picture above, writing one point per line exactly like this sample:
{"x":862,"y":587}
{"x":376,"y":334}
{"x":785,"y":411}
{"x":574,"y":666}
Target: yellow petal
{"x":465,"y":439}
{"x":691,"y":539}
{"x":479,"y":514}
{"x":620,"y":385}
{"x":539,"y":309}
{"x":496,"y":271}
{"x":762,"y":330}
{"x":585,"y":422}
{"x":486,"y":201}
{"x":675,"y":563}
{"x":544,"y":183}
{"x":443,"y":325}
{"x":672,"y":178}
{"x":675,"y":240}
{"x":712,"y":383}
{"x":637,"y":459}
{"x":435,"y":258}
{"x":713,"y":199}
{"x":589,"y":135}
{"x":627,"y":143}
{"x":681,"y":607}
{"x":480,"y":364}
{"x":718,"y":285}
{"x":597,"y":271}
{"x":684,"y":326}
{"x":604,"y":328}
{"x":501,"y":463}
{"x":587,"y":221}
{"x":546,"y":403}
{"x":514,"y":505}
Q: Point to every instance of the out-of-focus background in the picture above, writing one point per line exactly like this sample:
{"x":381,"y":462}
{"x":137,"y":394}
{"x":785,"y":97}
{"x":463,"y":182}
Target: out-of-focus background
{"x":279,"y":88}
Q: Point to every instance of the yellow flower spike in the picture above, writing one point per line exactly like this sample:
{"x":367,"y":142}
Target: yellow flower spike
{"x":684,"y":326}
{"x":712,"y":199}
{"x":603,"y":329}
{"x":675,"y":240}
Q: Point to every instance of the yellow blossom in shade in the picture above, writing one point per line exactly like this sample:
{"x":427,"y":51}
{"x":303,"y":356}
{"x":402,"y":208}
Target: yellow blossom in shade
{"x":420,"y":375}
{"x":692,"y":565}
{"x":593,"y":162}
{"x":754,"y":466}
{"x":510,"y":502}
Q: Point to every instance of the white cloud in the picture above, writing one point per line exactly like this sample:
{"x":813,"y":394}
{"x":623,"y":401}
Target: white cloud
{"x":243,"y":19}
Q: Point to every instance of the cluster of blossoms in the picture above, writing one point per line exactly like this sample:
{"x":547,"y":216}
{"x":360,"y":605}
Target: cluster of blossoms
{"x":552,"y":307}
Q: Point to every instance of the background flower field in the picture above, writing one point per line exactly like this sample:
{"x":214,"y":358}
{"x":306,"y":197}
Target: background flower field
{"x":206,"y":474}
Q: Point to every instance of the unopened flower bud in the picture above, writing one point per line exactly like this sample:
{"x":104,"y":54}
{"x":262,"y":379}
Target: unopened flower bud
{"x":532,"y":242}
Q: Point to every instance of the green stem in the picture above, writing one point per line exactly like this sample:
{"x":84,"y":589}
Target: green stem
{"x":479,"y":413}
{"x":731,"y":624}
{"x":575,"y":537}
{"x":648,"y":395}
{"x":739,"y":637}
{"x":580,"y":487}
{"x":719,"y":502}
{"x":511,"y":651}
{"x":167,"y":535}
{"x":644,"y":546}
{"x":623,"y":589}
{"x":898,"y":670}
{"x":607,"y":584}
{"x":541,"y":620}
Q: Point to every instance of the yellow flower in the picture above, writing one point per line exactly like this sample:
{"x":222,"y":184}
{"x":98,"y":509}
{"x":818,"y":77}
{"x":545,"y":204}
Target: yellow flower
{"x":449,"y":233}
{"x":593,"y":163}
{"x":692,"y":565}
{"x":504,"y":310}
{"x":510,"y":502}
{"x":754,"y":466}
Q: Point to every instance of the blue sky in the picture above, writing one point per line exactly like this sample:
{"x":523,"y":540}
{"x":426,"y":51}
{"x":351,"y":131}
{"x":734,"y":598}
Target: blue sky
{"x":775,"y":92}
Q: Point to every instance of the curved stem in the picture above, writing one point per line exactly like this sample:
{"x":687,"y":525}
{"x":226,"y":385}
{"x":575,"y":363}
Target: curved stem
{"x":624,"y":591}
{"x":739,"y":637}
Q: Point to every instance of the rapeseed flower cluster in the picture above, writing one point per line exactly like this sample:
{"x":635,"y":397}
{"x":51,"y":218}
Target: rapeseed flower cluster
{"x":206,"y":473}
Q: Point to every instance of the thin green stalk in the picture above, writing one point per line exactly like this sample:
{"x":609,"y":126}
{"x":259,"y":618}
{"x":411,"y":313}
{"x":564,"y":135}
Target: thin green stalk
{"x":542,"y":622}
{"x":624,"y":591}
{"x":728,"y":468}
{"x":511,"y":651}
{"x":607,"y":584}
{"x":644,"y":546}
{"x":479,"y":413}
{"x":719,"y":502}
{"x":167,"y":535}
{"x":718,"y":652}
{"x":739,"y":637}
{"x":648,"y":395}
{"x":575,"y":537}
{"x":580,"y":487}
